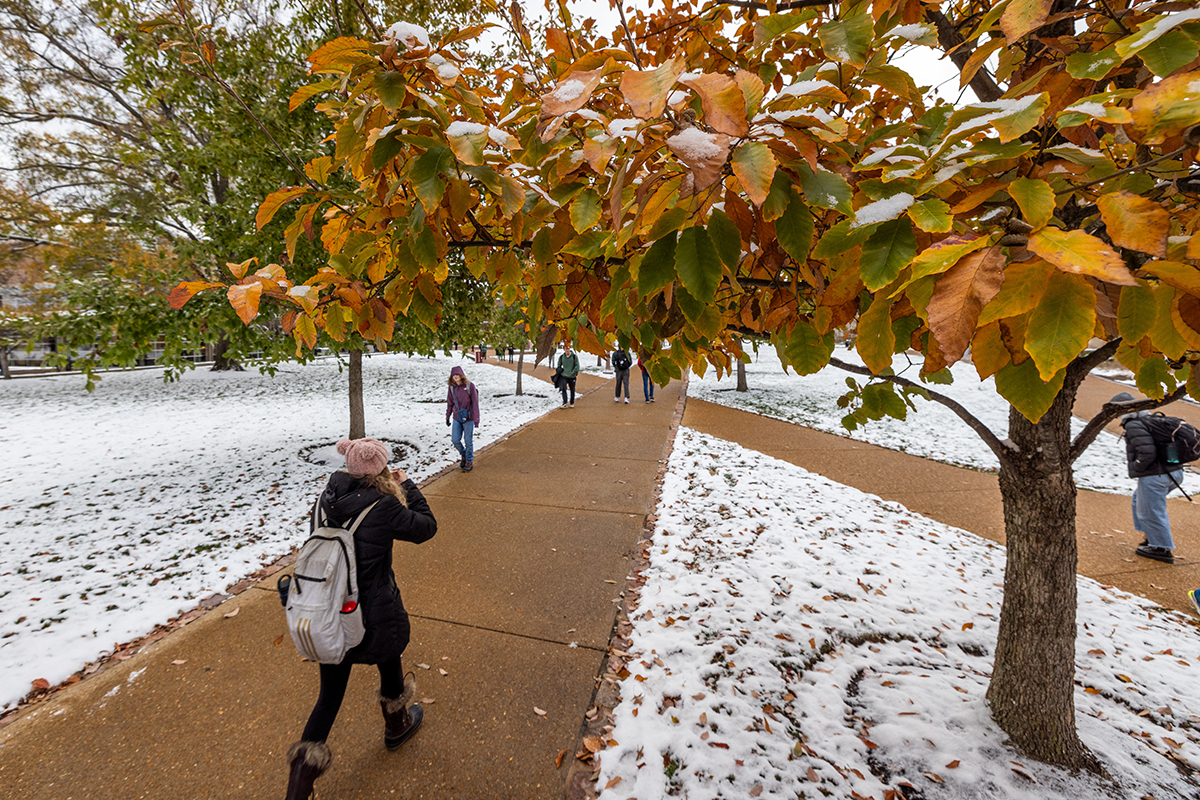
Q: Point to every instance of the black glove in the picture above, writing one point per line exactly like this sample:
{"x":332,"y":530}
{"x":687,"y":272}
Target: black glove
{"x":447,"y":423}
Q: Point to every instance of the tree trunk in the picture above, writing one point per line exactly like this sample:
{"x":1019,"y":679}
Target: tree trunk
{"x":741,"y":375}
{"x":5,"y":371}
{"x":220,"y":362}
{"x":1033,"y":680}
{"x":520,"y":369}
{"x":358,"y":426}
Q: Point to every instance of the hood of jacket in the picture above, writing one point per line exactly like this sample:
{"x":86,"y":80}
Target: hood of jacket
{"x":457,"y":371}
{"x":345,"y":497}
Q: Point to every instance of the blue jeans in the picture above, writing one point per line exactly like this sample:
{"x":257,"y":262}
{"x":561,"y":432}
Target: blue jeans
{"x":457,"y":431}
{"x":1150,"y":507}
{"x":647,"y":385}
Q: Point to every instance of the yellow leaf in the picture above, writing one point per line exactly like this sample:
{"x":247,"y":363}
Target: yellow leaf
{"x":722,"y":101}
{"x":1024,"y":284}
{"x":340,"y":53}
{"x":959,"y":295}
{"x":1167,"y":108}
{"x":646,"y":90}
{"x":209,"y":50}
{"x":1021,"y":385}
{"x":754,"y":166}
{"x":1062,"y":324}
{"x":1022,"y":17}
{"x":1182,"y":276}
{"x":1135,"y":222}
{"x":305,"y":297}
{"x":1080,"y":253}
{"x":275,"y":200}
{"x":244,"y":298}
{"x":876,"y":341}
{"x":1035,"y":199}
{"x":988,"y":353}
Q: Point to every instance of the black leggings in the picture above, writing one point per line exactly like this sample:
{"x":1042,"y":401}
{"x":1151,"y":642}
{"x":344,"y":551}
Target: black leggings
{"x":334,"y":678}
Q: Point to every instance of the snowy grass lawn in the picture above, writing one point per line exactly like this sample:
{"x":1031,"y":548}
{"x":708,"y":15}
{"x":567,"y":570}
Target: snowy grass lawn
{"x":123,"y":508}
{"x":932,"y":431}
{"x":798,"y":638}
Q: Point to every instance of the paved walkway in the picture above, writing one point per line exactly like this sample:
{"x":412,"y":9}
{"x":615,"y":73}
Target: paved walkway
{"x":514,"y":600}
{"x":971,"y":500}
{"x":513,"y":604}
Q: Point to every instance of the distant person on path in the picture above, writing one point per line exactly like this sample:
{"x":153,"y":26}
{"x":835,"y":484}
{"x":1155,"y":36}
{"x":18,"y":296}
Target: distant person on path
{"x":462,"y":414}
{"x":1154,"y":480}
{"x":568,"y":362}
{"x":647,"y":384}
{"x":621,"y":363}
{"x":401,"y":514}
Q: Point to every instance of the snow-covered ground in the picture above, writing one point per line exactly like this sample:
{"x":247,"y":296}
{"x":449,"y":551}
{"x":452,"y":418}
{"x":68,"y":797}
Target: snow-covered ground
{"x":123,"y":508}
{"x":932,"y":431}
{"x":798,"y":638}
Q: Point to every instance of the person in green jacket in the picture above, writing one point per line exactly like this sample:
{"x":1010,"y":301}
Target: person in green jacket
{"x":568,"y":362}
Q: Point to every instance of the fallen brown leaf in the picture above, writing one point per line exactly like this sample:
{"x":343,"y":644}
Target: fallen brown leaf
{"x":561,"y":755}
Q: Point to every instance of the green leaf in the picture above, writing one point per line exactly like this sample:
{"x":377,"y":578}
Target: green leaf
{"x":1022,"y":386}
{"x":424,"y":248}
{"x":772,"y":27}
{"x":385,"y":150}
{"x":589,"y":244}
{"x":888,"y":250}
{"x":931,"y":216}
{"x":1035,"y":198}
{"x":1093,"y":66}
{"x":1169,"y":52}
{"x":658,"y":266}
{"x":883,"y":401}
{"x":778,"y":198}
{"x":847,"y":40}
{"x":693,"y":309}
{"x":876,"y":340}
{"x":726,"y":237}
{"x":1061,"y":325}
{"x":697,"y":264}
{"x":392,"y":89}
{"x":1152,"y":376}
{"x":825,"y":189}
{"x":794,"y":229}
{"x":672,"y":220}
{"x":805,"y":351}
{"x":1164,"y":334}
{"x":840,"y":238}
{"x":426,"y":175}
{"x":1136,"y":313}
{"x":586,"y":210}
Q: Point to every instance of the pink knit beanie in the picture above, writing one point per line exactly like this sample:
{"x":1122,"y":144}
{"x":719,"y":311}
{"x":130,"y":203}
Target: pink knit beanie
{"x":364,"y":456}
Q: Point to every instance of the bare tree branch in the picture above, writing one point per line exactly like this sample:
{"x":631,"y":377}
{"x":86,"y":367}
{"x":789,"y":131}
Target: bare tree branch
{"x":1110,"y":411}
{"x":983,"y":84}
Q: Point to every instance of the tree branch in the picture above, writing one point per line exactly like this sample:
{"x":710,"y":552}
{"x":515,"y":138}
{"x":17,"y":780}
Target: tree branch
{"x":984,"y":86}
{"x":1002,"y":450}
{"x":1110,"y":411}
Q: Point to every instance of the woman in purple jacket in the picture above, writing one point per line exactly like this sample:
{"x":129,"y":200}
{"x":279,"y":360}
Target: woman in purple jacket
{"x":462,"y":414}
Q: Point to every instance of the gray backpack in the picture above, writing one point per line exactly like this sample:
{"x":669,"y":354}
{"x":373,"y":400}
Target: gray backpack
{"x":323,"y":614}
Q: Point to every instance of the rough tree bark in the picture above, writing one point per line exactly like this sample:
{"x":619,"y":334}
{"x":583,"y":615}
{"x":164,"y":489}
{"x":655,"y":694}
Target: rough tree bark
{"x":1031,"y":693}
{"x":741,"y":378}
{"x":520,"y":369}
{"x":358,"y":425}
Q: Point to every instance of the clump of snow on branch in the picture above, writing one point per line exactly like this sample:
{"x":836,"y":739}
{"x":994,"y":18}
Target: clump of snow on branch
{"x":693,"y":144}
{"x":408,"y":34}
{"x":883,"y":210}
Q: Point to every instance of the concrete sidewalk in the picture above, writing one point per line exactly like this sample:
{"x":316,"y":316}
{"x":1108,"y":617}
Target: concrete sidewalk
{"x":512,"y":605}
{"x":970,"y":500}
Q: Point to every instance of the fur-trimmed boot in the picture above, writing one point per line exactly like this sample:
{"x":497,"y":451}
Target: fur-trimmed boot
{"x":308,"y":761}
{"x":400,"y":720}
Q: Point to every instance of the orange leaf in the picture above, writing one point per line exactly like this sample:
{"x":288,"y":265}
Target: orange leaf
{"x":1082,"y":254}
{"x":613,"y":782}
{"x":724,"y":105}
{"x":705,"y":153}
{"x":209,"y":50}
{"x":646,"y":90}
{"x":952,"y":765}
{"x":244,"y":298}
{"x":275,"y":200}
{"x":279,"y":640}
{"x":968,"y":625}
{"x":754,"y":165}
{"x":572,"y":93}
{"x":41,"y":683}
{"x":1022,"y":17}
{"x":1135,"y":222}
{"x":959,"y":295}
{"x":187,"y":290}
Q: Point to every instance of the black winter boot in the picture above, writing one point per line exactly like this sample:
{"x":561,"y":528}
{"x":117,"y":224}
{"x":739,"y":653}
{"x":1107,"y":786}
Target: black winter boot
{"x":400,"y":721}
{"x":308,"y":761}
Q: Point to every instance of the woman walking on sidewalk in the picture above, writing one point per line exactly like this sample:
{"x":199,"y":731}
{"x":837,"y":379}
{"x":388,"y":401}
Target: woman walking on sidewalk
{"x":462,"y":406}
{"x":400,"y":513}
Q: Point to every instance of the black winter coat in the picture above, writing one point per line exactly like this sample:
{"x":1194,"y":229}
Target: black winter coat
{"x":1140,"y":450}
{"x":384,"y":617}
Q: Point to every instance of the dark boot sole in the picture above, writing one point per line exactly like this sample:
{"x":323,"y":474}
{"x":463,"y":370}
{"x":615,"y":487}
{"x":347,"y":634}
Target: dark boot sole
{"x":1167,"y":559}
{"x":416,"y":715}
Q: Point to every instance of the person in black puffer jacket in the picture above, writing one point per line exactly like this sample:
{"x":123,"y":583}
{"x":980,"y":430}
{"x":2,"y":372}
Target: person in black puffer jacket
{"x":1154,"y":480}
{"x":401,"y":514}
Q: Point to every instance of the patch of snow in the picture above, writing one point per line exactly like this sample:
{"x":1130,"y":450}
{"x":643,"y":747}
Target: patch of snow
{"x":568,"y":91}
{"x":883,"y":210}
{"x":623,"y":128}
{"x":408,"y":34}
{"x":694,"y":144}
{"x":464,"y":128}
{"x":446,"y":69}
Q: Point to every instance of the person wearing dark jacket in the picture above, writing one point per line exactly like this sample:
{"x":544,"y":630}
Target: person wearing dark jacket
{"x":400,"y":514}
{"x":462,"y":406}
{"x":568,"y":362}
{"x":647,"y":384}
{"x":621,"y":363}
{"x":1154,"y":480}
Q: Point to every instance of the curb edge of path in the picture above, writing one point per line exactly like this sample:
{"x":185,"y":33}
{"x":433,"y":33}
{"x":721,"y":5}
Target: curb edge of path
{"x":596,"y":728}
{"x":126,"y":650}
